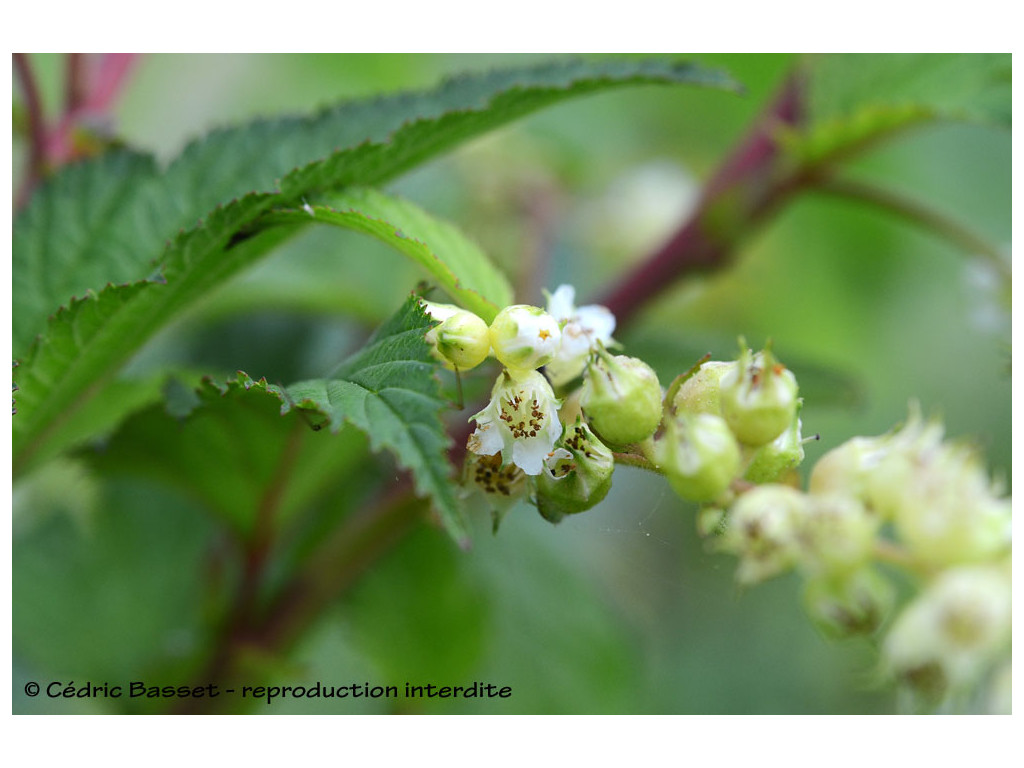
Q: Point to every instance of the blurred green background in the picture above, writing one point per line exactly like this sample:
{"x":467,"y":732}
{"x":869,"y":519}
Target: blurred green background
{"x":621,"y":609}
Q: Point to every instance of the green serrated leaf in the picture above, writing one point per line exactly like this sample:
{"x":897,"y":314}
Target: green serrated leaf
{"x":75,"y":236}
{"x":86,"y":343}
{"x":479,"y":103}
{"x":855,"y":99}
{"x":454,"y":260}
{"x":233,"y":452}
{"x":394,"y":134}
{"x":388,"y":391}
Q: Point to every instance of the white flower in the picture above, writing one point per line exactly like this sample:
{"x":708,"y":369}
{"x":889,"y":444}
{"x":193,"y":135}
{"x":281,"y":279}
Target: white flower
{"x":582,"y":328}
{"x":521,"y":421}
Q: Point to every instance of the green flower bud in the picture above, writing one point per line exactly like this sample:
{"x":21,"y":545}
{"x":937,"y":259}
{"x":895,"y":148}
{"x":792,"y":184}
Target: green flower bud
{"x":837,"y":535}
{"x":953,"y":632}
{"x":699,"y":455}
{"x":524,"y":338}
{"x":578,"y":477}
{"x":938,"y":496}
{"x":701,"y":393}
{"x":758,"y":398}
{"x":845,"y":469}
{"x":849,"y":605}
{"x":461,"y":340}
{"x":943,"y":505}
{"x":771,"y":462}
{"x":621,"y":398}
{"x":764,"y":531}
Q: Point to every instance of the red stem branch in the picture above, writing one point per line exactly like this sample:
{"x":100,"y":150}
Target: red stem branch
{"x":747,"y":188}
{"x":36,"y":126}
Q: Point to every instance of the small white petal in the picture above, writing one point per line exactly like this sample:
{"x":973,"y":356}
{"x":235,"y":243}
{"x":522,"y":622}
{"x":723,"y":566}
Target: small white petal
{"x":486,"y":438}
{"x":583,"y":328}
{"x":598,"y":321}
{"x":561,"y":303}
{"x":529,"y":456}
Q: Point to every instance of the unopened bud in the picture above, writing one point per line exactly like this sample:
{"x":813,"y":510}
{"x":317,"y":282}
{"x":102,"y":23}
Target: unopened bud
{"x":701,"y":393}
{"x":578,"y":476}
{"x":953,"y":632}
{"x":837,"y":535}
{"x":845,"y":469}
{"x":770,"y":463}
{"x":524,"y":338}
{"x":621,"y":398}
{"x":849,"y":605}
{"x":943,"y":506}
{"x":698,"y":454}
{"x":759,"y":398}
{"x":764,"y":531}
{"x":461,"y":340}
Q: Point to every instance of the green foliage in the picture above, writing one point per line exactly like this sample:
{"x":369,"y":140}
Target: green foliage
{"x":252,"y":452}
{"x":75,"y":237}
{"x":457,"y":263}
{"x":388,"y":391}
{"x":857,"y":99}
{"x":69,"y":228}
{"x":234,"y":453}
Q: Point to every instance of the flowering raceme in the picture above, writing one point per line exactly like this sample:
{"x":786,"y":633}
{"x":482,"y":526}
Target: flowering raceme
{"x":727,"y":435}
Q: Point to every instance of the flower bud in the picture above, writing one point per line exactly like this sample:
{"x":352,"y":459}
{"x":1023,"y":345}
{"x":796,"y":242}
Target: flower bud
{"x":771,"y":462}
{"x":758,"y":398}
{"x":524,"y":338}
{"x":699,"y":455}
{"x":845,"y":469}
{"x":621,"y":398}
{"x":701,"y":393}
{"x":943,"y":506}
{"x":953,"y":631}
{"x":461,"y":340}
{"x":849,"y":605}
{"x":763,"y":531}
{"x":579,"y":475}
{"x":837,"y":534}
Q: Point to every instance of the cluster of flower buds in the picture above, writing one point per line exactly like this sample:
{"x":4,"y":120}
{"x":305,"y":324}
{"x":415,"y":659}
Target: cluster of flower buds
{"x":908,"y":499}
{"x":727,"y":436}
{"x":729,"y":421}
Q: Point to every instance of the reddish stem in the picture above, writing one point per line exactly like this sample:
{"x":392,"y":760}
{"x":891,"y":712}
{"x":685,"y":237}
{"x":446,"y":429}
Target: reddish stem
{"x":76,"y":83}
{"x":36,"y":127}
{"x":90,"y":90}
{"x":747,"y":187}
